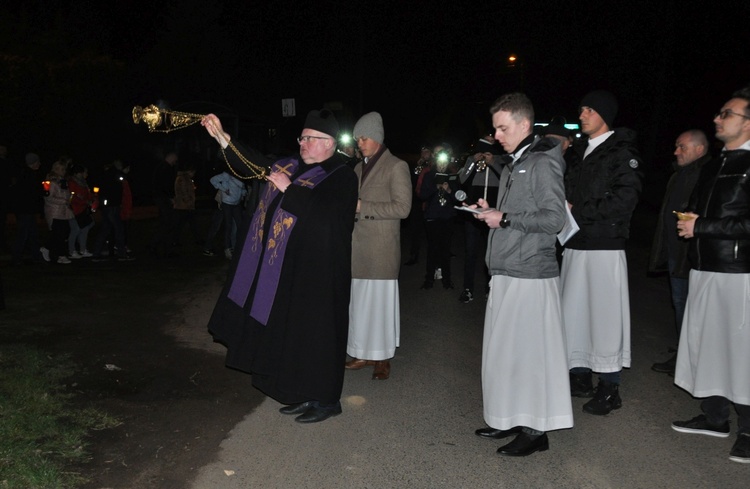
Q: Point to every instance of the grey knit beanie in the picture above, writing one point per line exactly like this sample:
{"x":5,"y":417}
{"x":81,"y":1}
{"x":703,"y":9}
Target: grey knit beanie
{"x":370,"y":126}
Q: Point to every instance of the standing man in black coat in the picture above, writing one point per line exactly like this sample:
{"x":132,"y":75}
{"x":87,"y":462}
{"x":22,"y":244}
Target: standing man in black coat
{"x":669,"y":251}
{"x":110,"y":203}
{"x":27,"y":202}
{"x":602,"y":187}
{"x":416,"y":215}
{"x":480,"y":178}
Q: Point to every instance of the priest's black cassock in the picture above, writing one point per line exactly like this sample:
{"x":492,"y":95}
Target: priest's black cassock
{"x":292,"y":339}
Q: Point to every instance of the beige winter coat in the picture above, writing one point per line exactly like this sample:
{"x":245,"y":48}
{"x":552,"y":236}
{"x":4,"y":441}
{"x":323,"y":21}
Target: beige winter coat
{"x":385,"y":200}
{"x":57,"y":202}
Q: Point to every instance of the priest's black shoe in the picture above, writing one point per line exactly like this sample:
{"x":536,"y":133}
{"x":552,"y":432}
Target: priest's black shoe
{"x":525,"y":444}
{"x":319,"y":413}
{"x":298,"y":408}
{"x":497,"y":434}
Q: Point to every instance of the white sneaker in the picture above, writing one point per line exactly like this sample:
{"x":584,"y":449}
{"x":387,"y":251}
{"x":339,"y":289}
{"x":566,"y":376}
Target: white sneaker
{"x":86,"y":254}
{"x":63,"y":260}
{"x":75,"y":255}
{"x":45,"y":253}
{"x":228,"y":253}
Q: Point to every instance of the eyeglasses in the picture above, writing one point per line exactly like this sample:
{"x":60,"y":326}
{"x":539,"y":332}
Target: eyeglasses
{"x":306,"y":139}
{"x":727,"y":113}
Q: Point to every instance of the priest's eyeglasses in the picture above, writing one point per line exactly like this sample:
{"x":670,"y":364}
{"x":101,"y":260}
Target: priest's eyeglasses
{"x":306,"y":139}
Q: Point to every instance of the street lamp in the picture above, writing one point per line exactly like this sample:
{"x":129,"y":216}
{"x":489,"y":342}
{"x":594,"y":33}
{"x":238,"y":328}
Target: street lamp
{"x":516,"y":66}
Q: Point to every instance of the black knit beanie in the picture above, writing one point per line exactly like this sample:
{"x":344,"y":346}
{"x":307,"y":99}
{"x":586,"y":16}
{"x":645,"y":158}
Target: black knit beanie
{"x":604,"y":103}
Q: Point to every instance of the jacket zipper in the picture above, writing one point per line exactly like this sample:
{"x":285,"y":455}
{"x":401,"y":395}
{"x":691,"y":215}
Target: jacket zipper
{"x":501,"y":201}
{"x":705,"y":209}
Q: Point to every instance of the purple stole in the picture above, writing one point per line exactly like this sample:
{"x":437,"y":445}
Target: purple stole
{"x":275,"y":246}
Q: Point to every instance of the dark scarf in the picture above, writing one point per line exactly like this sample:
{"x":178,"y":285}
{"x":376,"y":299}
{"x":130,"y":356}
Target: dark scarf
{"x":367,"y":166}
{"x":526,"y":141}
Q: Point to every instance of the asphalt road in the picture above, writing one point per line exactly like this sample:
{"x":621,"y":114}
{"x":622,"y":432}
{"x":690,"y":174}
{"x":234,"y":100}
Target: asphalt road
{"x":416,"y":429}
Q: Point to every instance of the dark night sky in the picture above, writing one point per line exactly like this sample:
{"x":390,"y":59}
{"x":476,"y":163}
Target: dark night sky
{"x":430,"y":68}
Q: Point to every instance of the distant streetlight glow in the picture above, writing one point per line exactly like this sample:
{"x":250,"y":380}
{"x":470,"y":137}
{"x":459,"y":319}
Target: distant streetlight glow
{"x":512,"y":58}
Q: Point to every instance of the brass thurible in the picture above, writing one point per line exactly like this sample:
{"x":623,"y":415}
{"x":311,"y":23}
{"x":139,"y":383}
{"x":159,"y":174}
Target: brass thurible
{"x":163,"y":120}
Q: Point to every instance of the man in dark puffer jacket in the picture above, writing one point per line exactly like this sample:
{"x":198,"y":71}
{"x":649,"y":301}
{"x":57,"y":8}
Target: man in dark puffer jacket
{"x":602,"y":186}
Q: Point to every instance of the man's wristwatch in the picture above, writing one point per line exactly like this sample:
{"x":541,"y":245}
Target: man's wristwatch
{"x":504,"y":222}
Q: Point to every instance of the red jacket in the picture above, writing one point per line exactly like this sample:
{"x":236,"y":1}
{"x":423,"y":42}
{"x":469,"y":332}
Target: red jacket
{"x":82,"y":197}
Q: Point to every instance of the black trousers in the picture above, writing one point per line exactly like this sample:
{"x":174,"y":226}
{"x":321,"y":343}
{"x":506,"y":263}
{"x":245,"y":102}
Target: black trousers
{"x":475,"y":243}
{"x":716,"y":409}
{"x":439,"y":236}
{"x":59,"y":232}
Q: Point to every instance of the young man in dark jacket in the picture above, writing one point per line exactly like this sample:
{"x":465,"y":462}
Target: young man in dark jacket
{"x":602,"y":186}
{"x":712,"y":359}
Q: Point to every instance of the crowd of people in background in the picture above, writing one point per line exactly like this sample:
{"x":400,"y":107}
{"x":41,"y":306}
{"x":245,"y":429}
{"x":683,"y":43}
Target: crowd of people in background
{"x":71,"y":206}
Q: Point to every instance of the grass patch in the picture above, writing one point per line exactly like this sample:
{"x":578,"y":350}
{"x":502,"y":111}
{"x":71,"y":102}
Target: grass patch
{"x":42,"y":433}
